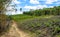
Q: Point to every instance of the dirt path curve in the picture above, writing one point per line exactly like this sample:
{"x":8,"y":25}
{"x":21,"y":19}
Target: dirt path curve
{"x":15,"y":32}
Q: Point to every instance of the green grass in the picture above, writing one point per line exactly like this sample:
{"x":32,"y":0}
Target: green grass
{"x":38,"y":25}
{"x":41,"y":26}
{"x":23,"y":17}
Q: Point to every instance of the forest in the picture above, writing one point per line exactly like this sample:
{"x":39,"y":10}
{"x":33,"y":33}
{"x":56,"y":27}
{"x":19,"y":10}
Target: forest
{"x":45,"y":11}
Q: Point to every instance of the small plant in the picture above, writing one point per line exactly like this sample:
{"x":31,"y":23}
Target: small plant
{"x":42,"y":27}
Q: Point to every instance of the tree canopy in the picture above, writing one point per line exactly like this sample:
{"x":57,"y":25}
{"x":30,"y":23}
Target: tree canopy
{"x":3,"y":17}
{"x":45,"y":11}
{"x":3,"y":3}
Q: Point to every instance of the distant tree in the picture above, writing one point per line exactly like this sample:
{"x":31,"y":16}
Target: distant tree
{"x":45,"y":11}
{"x":20,"y":9}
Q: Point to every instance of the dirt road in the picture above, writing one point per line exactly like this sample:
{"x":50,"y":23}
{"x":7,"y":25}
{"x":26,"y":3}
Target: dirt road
{"x":15,"y":32}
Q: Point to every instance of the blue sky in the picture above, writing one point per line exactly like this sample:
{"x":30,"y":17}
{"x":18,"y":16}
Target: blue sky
{"x":26,"y":5}
{"x":36,"y":4}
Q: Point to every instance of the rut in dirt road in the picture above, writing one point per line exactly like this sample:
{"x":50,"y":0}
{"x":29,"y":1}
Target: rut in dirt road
{"x":15,"y":32}
{"x":20,"y":32}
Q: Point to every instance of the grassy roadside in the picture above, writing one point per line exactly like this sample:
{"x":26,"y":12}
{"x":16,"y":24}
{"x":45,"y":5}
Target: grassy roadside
{"x":20,"y":18}
{"x":39,"y":26}
{"x":48,"y":27}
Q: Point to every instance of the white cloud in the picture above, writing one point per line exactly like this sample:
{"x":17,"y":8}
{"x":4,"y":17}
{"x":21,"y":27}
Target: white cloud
{"x":14,"y":13}
{"x":30,"y":7}
{"x":50,"y":1}
{"x":18,"y":12}
{"x":34,"y":1}
{"x":36,"y":7}
{"x":16,"y":1}
{"x":9,"y":8}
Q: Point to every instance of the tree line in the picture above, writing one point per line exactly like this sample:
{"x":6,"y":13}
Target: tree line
{"x":45,"y":11}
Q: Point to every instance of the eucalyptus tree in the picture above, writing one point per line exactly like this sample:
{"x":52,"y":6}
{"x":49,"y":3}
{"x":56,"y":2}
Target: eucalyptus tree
{"x":20,"y":9}
{"x":58,"y":10}
{"x":55,"y":9}
{"x":3,"y":5}
{"x":3,"y":17}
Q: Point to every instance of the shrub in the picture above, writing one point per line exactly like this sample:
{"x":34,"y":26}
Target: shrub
{"x":4,"y":23}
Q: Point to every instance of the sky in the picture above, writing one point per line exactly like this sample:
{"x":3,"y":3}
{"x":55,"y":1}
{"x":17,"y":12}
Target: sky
{"x":26,"y":5}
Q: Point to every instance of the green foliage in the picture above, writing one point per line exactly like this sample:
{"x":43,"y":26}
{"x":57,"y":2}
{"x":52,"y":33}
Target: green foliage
{"x":45,"y":11}
{"x":21,"y":17}
{"x":4,"y":23}
{"x":48,"y":27}
{"x":3,"y":4}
